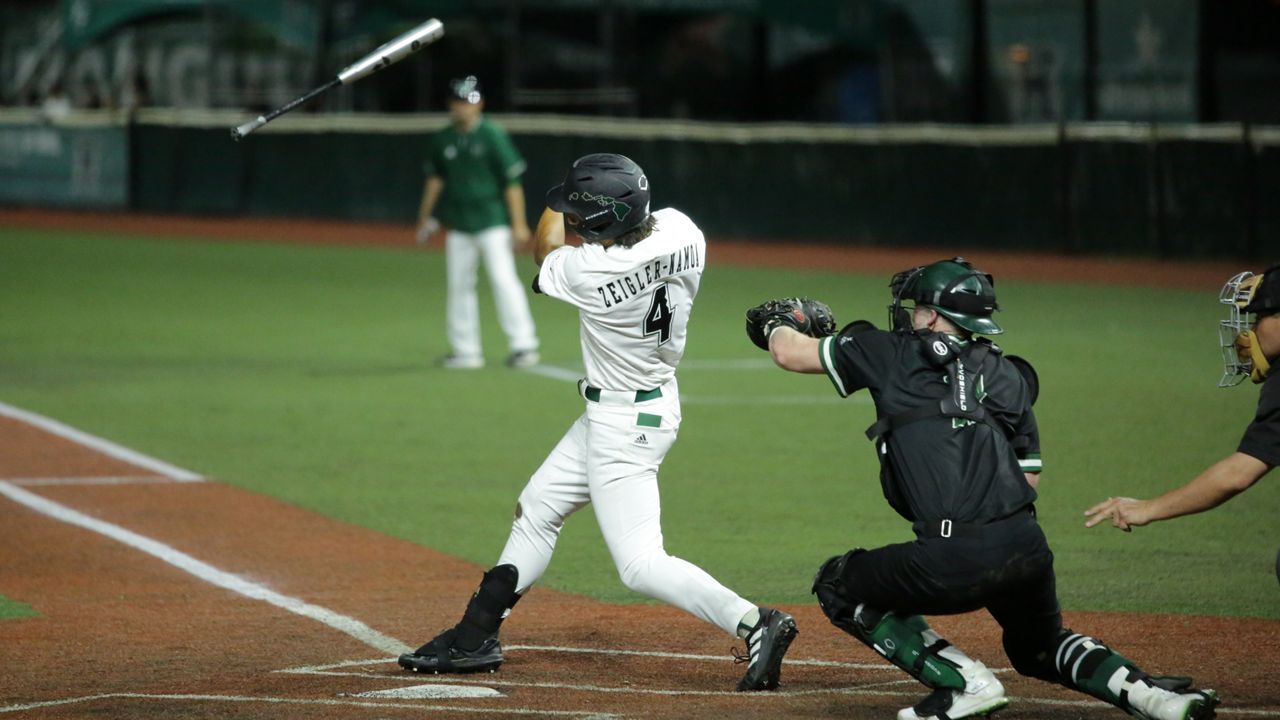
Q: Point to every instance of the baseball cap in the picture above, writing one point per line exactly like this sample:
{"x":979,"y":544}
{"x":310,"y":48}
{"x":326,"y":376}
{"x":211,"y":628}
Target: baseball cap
{"x":1265,"y":298}
{"x":466,"y":89}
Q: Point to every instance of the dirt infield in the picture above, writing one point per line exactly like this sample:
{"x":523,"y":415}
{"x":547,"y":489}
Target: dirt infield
{"x":124,"y":633}
{"x":159,"y":598}
{"x":781,"y":254}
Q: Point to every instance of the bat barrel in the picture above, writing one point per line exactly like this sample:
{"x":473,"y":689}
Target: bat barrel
{"x":390,"y":52}
{"x":393,"y":51}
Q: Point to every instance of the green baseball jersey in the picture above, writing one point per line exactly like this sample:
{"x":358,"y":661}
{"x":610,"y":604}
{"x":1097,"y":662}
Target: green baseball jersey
{"x":476,"y":167}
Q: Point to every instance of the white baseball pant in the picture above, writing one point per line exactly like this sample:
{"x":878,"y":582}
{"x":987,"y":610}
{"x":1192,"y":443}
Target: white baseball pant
{"x":462,"y":256}
{"x":609,"y":458}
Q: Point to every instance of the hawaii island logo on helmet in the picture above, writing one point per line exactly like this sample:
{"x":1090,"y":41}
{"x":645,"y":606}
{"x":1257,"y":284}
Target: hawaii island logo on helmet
{"x":620,"y":209}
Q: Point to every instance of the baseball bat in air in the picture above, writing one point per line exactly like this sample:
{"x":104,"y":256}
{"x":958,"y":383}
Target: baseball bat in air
{"x":389,"y":53}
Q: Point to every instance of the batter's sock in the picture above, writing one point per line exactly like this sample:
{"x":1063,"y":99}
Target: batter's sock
{"x":748,"y":623}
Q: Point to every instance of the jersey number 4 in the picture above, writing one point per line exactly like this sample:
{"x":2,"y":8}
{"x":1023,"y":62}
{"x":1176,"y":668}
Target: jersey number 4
{"x":658,"y":318}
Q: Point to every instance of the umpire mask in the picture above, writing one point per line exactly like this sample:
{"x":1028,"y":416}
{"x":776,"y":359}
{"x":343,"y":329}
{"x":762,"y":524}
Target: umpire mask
{"x":1246,"y":296}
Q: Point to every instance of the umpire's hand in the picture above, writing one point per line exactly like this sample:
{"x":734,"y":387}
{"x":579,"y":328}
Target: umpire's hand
{"x":1124,"y":513}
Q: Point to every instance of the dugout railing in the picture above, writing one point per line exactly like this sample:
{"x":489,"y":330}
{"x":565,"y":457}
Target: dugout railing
{"x":1126,"y":189}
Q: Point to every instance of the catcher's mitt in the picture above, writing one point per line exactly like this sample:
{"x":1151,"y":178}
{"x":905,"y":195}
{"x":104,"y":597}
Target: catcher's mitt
{"x":805,"y":315}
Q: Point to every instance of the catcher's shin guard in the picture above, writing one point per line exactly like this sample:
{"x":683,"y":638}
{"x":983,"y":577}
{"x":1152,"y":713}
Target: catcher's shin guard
{"x":1085,"y":664}
{"x":910,"y":644}
{"x":472,"y":644}
{"x":905,"y":642}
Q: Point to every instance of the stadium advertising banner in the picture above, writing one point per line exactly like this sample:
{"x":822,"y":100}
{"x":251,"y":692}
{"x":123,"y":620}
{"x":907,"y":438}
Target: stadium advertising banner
{"x":1147,"y":60}
{"x":42,"y":164}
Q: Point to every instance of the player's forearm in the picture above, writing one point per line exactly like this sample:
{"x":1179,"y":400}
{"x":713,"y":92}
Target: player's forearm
{"x":515,"y":206}
{"x":794,"y":351}
{"x":1220,"y":482}
{"x":549,"y":235}
{"x":430,"y":194}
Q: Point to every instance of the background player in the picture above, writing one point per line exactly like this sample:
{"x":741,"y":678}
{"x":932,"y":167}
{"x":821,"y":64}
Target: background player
{"x":960,"y":456}
{"x":633,"y":280}
{"x":1250,"y":342}
{"x":473,"y":185}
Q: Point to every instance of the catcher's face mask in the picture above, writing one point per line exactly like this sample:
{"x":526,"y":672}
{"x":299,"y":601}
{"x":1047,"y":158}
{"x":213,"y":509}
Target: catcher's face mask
{"x":1241,"y":353}
{"x":901,"y":286}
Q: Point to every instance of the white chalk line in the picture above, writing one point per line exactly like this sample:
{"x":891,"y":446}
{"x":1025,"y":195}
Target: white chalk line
{"x":491,"y":711}
{"x":705,"y":658}
{"x":522,"y":711}
{"x":178,"y":559}
{"x":723,"y":659}
{"x":106,"y":447}
{"x":77,"y":481}
{"x":203,"y":570}
{"x":868,"y":689}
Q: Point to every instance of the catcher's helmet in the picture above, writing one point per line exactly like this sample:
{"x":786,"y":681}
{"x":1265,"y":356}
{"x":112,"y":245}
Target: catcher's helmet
{"x":962,"y":294}
{"x":607,"y":194}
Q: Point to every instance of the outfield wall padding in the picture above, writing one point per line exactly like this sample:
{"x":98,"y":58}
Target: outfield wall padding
{"x":1162,"y":198}
{"x":1159,"y":191}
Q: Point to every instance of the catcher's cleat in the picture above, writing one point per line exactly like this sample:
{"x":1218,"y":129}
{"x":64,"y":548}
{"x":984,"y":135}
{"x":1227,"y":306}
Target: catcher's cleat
{"x":442,"y":656}
{"x":982,"y":695}
{"x":766,"y":644}
{"x":1157,"y":703}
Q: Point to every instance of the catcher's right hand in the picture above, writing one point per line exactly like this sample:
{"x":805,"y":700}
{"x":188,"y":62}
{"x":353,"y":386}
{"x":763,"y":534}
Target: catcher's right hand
{"x":804,"y":315}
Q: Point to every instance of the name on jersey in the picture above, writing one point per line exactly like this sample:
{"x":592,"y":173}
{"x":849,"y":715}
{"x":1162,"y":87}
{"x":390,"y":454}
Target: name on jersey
{"x":628,"y":286}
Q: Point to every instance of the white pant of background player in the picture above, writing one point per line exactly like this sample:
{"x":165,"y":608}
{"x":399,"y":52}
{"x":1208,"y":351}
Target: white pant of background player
{"x":462,"y":256}
{"x":609,"y":458}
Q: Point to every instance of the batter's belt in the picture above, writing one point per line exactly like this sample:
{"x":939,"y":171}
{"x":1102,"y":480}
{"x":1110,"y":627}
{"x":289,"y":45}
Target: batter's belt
{"x":617,"y":397}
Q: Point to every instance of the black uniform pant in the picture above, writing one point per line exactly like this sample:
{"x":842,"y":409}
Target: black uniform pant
{"x":1005,"y":566}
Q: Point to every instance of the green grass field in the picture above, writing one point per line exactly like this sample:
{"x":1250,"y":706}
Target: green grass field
{"x":305,"y":373}
{"x":14,"y":610}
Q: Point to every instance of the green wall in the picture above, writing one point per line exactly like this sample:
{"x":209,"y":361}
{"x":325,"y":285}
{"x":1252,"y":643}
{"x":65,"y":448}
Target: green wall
{"x":1176,"y":197}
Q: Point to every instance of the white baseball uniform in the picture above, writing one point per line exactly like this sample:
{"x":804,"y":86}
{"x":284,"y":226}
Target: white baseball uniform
{"x":463,"y":252}
{"x":634,"y":304}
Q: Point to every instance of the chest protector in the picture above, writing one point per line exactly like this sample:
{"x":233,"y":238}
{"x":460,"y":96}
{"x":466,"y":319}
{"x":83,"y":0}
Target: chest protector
{"x":964,"y":366}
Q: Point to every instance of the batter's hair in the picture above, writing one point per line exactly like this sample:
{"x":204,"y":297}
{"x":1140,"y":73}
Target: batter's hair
{"x":637,"y":233}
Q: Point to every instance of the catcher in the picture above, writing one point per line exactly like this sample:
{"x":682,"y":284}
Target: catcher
{"x":960,"y":458}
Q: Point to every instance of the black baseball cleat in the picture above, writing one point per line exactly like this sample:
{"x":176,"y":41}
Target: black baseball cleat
{"x":766,"y":644}
{"x":442,"y":656}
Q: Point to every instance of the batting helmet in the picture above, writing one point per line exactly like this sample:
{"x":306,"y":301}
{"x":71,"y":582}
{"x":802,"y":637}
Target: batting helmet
{"x":606,"y":194}
{"x":960,"y":293}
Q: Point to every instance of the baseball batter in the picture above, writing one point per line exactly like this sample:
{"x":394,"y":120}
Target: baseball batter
{"x":959,"y":453}
{"x":633,"y":279}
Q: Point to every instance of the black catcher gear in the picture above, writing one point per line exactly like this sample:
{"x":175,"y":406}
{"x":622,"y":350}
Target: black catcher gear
{"x":954,"y":288}
{"x":804,"y":315}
